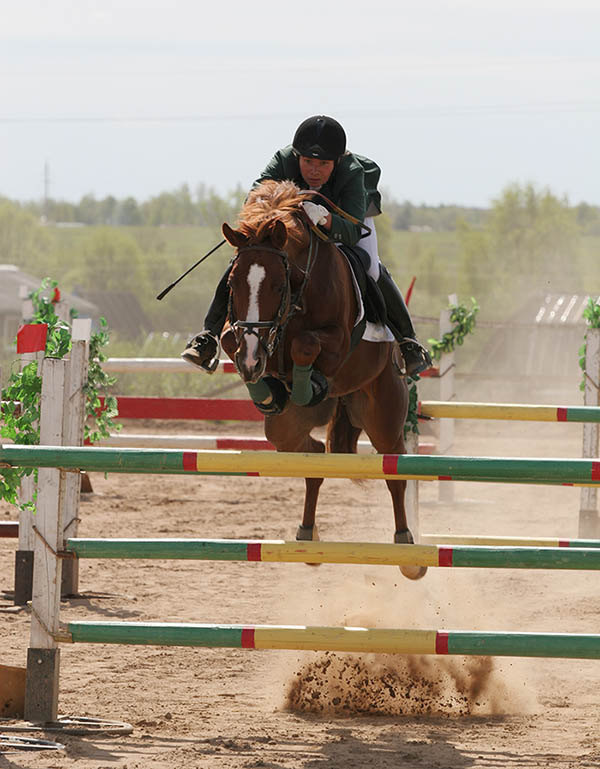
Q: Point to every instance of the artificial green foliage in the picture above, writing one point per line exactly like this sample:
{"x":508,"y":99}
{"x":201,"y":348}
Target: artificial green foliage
{"x":20,"y":413}
{"x":592,"y":315}
{"x":464,"y":323}
{"x":21,"y":398}
{"x":412,"y":419}
{"x":58,"y":342}
{"x":99,"y":420}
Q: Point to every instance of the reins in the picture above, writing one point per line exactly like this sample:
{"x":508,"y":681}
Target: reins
{"x":319,"y":233}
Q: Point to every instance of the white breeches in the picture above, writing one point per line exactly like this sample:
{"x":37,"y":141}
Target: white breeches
{"x":369,"y":243}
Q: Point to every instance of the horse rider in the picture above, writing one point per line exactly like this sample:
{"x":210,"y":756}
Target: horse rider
{"x":318,"y":160}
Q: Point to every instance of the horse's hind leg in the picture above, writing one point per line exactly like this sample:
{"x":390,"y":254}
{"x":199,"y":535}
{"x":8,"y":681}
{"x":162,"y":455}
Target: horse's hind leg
{"x":385,"y":428}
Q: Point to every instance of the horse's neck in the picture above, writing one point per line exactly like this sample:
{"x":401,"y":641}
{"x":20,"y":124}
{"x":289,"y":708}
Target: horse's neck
{"x":330,"y":289}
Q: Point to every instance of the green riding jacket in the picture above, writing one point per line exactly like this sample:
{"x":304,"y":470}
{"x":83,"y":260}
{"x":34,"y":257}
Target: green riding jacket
{"x":352,"y":186}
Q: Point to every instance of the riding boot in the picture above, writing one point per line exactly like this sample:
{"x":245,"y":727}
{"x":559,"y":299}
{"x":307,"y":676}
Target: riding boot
{"x":202,"y":349}
{"x":416,"y":357}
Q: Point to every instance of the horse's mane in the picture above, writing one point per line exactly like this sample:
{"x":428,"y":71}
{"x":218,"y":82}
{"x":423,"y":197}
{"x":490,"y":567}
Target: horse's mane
{"x":267,"y":203}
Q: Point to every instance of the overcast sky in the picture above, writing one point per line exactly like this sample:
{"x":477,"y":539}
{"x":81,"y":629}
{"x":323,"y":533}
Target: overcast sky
{"x":454,"y":100}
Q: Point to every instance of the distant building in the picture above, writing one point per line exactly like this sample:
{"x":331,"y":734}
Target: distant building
{"x":541,"y":340}
{"x":122,"y":312}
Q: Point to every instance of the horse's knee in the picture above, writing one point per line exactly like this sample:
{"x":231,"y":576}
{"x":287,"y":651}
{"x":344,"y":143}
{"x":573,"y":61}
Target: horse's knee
{"x":305,"y":349}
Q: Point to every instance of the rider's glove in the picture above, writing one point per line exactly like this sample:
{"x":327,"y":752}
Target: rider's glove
{"x":317,"y":214}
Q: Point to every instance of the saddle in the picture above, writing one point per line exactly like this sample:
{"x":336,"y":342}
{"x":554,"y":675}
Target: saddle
{"x":372,"y":298}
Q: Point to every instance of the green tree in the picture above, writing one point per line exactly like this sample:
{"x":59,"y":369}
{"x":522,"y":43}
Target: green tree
{"x":112,"y":261}
{"x":529,"y":242}
{"x":23,"y":240}
{"x":128,"y":213}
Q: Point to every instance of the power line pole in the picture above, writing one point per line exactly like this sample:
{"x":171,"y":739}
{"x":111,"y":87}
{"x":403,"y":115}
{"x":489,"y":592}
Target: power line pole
{"x":46,"y":190}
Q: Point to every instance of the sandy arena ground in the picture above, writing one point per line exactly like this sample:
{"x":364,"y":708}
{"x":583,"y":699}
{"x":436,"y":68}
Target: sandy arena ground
{"x":232,"y":708}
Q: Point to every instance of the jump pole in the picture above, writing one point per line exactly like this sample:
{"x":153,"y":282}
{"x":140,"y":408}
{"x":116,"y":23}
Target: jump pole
{"x":509,"y":412}
{"x":177,"y":365}
{"x":477,"y":539}
{"x":364,"y":553}
{"x":243,"y":409}
{"x":9,"y":529}
{"x":575,"y":472}
{"x":338,"y":639}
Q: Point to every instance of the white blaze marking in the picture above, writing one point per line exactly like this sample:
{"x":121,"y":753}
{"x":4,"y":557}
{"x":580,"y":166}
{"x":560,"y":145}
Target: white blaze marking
{"x":256,"y":275}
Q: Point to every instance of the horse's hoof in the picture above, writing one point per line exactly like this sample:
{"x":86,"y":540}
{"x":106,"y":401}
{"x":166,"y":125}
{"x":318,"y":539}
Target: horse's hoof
{"x":414,"y":572}
{"x":405,"y":537}
{"x":308,"y":534}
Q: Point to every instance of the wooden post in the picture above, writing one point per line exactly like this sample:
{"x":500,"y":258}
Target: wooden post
{"x":589,"y":525}
{"x":72,"y":435}
{"x":411,"y":499}
{"x":31,"y":347}
{"x":41,"y":694}
{"x":446,"y":427}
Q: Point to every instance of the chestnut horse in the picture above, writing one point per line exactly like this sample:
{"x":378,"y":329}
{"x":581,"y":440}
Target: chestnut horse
{"x":292,"y":309}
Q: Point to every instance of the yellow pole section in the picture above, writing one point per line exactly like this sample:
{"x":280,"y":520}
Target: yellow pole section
{"x":279,"y":464}
{"x":347,"y":639}
{"x":463,"y":410}
{"x":370,"y":553}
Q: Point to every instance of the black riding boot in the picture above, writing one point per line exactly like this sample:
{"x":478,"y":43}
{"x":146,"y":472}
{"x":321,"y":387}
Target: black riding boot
{"x":203,"y":348}
{"x":416,"y":357}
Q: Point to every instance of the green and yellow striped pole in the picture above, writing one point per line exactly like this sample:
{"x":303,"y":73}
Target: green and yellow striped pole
{"x":571,"y":472}
{"x":366,"y":553}
{"x":508,"y":411}
{"x":478,"y":539}
{"x":338,"y":639}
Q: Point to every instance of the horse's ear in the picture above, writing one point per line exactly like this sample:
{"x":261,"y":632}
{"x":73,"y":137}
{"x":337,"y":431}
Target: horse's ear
{"x":236,"y":238}
{"x":279,"y":234}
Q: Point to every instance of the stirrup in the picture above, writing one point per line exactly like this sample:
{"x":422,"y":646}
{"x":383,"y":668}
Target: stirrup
{"x":203,"y":351}
{"x":416,"y":357}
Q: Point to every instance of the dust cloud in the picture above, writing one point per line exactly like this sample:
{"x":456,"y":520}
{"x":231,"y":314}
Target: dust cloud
{"x":386,"y":685}
{"x":338,"y":684}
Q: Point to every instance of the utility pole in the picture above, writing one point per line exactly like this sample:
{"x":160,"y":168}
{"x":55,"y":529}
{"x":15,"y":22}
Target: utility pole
{"x":46,"y":190}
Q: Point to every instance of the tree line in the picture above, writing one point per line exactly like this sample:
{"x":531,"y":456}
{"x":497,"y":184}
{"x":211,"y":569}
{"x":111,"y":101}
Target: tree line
{"x":205,"y":207}
{"x":528,"y":241}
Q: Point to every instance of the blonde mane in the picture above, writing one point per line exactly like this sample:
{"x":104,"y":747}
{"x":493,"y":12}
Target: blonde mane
{"x":271,"y":201}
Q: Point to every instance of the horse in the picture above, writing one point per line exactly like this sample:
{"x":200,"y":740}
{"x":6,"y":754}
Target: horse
{"x":292,"y":310}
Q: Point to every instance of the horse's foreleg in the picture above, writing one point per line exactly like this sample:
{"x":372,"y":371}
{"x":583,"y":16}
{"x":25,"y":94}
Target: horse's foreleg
{"x":316,"y":354}
{"x":291,"y":432}
{"x":402,"y":534}
{"x":307,"y":531}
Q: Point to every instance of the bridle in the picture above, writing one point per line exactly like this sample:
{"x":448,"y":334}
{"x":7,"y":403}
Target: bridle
{"x":289,"y":306}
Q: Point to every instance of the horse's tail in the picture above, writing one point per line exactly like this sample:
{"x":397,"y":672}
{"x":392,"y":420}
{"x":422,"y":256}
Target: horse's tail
{"x":342,"y":436}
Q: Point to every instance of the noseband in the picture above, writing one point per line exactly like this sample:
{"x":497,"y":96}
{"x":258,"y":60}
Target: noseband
{"x":288,"y":306}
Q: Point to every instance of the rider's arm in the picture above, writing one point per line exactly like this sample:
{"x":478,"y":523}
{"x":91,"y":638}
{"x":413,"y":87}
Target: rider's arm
{"x":349,"y":194}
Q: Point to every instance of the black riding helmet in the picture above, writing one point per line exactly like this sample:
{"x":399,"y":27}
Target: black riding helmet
{"x":320,"y":137}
